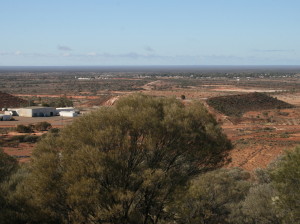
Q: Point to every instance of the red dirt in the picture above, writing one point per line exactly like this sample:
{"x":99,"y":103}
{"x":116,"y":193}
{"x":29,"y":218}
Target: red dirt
{"x":257,"y":143}
{"x":23,"y":151}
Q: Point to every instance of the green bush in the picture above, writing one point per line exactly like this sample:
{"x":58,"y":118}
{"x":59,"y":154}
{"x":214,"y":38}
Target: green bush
{"x":42,"y":126}
{"x":23,"y":128}
{"x":282,"y":113}
{"x":31,"y":138}
{"x":17,"y":138}
{"x":24,"y":138}
{"x":286,"y":179}
{"x":211,"y":197}
{"x":54,"y":130}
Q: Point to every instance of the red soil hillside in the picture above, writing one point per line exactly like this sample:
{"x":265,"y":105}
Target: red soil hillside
{"x":7,"y":100}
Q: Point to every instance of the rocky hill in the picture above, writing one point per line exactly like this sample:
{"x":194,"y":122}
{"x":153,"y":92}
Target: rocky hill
{"x":236,"y":105}
{"x":8,"y":100}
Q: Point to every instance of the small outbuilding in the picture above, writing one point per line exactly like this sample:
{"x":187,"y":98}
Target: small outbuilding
{"x":5,"y":117}
{"x":69,"y":109}
{"x":9,"y":112}
{"x":68,"y":114}
{"x":36,"y":112}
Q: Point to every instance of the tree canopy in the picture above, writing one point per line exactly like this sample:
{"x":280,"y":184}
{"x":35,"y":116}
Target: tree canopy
{"x":122,"y":164}
{"x":8,"y":165}
{"x":211,"y":197}
{"x":286,"y":179}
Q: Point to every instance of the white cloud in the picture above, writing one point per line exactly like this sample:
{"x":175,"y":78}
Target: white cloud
{"x":273,"y":50}
{"x":149,"y":49}
{"x":2,"y":53}
{"x":64,"y":48}
{"x":66,"y":54}
{"x":91,"y":54}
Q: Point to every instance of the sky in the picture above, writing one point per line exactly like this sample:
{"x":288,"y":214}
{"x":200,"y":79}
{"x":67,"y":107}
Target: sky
{"x":149,"y":32}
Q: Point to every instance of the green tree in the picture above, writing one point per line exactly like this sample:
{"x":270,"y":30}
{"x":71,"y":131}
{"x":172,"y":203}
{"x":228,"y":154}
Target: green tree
{"x":286,"y":180}
{"x":17,"y":208}
{"x":123,"y":164}
{"x":211,"y":197}
{"x":8,"y":165}
{"x":23,"y":128}
{"x":258,"y":207}
{"x":259,"y":204}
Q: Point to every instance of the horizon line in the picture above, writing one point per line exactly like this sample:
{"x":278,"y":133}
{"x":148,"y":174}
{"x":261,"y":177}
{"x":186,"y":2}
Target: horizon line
{"x":149,"y":68}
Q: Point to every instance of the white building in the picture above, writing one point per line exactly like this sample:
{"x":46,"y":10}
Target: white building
{"x":59,"y":109}
{"x":36,"y":112}
{"x":68,"y":113}
{"x":5,"y":117}
{"x":9,"y":112}
{"x":67,"y":109}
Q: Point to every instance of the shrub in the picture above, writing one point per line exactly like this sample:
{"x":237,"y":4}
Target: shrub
{"x":282,"y":113}
{"x":31,"y":138}
{"x":17,"y":138}
{"x":23,"y":129}
{"x":43,"y":126}
{"x":24,"y":138}
{"x":211,"y":196}
{"x":286,"y":179}
{"x":54,"y":130}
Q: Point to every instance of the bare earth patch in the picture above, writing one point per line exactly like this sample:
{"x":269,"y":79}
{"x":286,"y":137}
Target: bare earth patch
{"x":258,"y":142}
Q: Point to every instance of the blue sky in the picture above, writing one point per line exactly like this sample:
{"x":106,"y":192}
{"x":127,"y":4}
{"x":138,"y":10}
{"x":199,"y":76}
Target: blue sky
{"x":149,"y":32}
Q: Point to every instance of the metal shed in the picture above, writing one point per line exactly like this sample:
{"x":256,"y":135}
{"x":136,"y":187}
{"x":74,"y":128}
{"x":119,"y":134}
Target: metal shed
{"x":36,"y":112}
{"x":68,"y":114}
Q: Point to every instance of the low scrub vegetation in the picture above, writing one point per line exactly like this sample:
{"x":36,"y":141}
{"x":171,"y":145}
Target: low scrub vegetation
{"x":41,"y":126}
{"x":24,"y":138}
{"x":58,"y":102}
